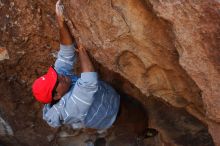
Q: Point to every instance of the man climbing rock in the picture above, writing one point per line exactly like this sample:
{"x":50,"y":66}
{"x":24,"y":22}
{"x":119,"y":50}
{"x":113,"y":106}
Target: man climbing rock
{"x":81,"y":102}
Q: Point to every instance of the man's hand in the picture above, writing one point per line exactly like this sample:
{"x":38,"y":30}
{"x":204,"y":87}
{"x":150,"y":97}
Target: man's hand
{"x":86,"y":64}
{"x":80,"y":48}
{"x":60,"y":13}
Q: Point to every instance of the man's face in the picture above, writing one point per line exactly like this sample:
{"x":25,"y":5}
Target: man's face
{"x":63,"y":86}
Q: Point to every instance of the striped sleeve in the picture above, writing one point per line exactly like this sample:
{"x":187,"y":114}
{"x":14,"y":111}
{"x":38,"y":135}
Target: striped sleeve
{"x":65,"y":59}
{"x":84,"y":90}
{"x":89,"y":79}
{"x":51,"y":115}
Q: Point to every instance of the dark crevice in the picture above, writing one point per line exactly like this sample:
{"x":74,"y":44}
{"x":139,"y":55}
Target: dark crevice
{"x":176,"y":123}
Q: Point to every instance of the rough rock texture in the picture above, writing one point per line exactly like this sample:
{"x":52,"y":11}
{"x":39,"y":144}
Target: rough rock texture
{"x":28,"y":33}
{"x":164,"y":53}
{"x":169,"y":49}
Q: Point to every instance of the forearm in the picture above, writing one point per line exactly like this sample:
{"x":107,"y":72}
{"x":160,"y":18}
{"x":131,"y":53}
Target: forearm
{"x":65,"y":35}
{"x":86,"y":64}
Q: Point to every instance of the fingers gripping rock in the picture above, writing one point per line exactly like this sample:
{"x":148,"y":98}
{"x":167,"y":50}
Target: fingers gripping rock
{"x":60,"y":9}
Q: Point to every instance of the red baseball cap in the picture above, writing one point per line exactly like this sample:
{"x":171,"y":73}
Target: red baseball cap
{"x":42,"y":87}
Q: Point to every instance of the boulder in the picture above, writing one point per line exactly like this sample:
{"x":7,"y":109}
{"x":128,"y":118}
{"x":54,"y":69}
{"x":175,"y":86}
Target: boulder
{"x":168,"y":49}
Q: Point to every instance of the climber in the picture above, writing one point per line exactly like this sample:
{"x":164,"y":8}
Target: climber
{"x":81,"y":102}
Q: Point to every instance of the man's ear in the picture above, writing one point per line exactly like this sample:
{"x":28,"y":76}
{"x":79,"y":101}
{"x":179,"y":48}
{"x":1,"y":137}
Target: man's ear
{"x":57,"y":97}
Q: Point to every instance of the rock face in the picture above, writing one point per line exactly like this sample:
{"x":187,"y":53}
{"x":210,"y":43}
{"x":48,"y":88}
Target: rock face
{"x":166,"y":54}
{"x":169,"y":49}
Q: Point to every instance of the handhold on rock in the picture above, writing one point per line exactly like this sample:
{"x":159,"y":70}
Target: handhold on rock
{"x":3,"y":54}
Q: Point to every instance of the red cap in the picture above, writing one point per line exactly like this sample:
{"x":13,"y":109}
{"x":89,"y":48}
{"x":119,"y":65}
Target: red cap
{"x":43,"y":86}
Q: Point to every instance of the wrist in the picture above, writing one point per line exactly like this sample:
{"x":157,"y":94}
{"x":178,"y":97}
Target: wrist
{"x":61,"y":24}
{"x":60,"y":21}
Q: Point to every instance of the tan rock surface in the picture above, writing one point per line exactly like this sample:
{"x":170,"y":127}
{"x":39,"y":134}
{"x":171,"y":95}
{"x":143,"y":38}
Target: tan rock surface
{"x":197,"y":29}
{"x":3,"y":54}
{"x":169,"y":49}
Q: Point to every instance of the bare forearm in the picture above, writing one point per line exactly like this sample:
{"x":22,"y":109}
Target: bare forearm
{"x":86,"y":64}
{"x":65,"y":35}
